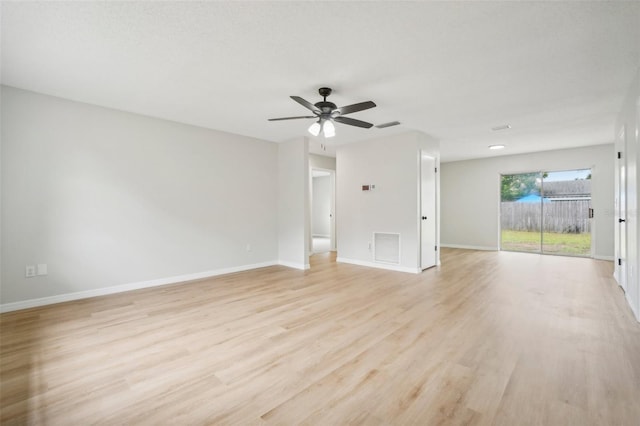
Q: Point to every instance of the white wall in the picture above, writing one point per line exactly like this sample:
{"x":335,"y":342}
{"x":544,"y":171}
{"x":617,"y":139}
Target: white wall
{"x":629,"y":120}
{"x":108,"y":198}
{"x":321,"y":206}
{"x":293,"y":203}
{"x":393,"y":165}
{"x":470,"y":194}
{"x":322,"y":162}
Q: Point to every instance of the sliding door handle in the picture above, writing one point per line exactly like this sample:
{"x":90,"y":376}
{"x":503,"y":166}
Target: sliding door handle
{"x":621,"y":220}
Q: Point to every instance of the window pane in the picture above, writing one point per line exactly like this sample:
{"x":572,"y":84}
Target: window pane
{"x":566,"y":204}
{"x":521,"y":212}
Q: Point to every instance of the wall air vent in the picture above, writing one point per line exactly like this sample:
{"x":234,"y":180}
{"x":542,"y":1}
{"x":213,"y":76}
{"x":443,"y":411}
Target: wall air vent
{"x":389,"y":124}
{"x":386,"y":247}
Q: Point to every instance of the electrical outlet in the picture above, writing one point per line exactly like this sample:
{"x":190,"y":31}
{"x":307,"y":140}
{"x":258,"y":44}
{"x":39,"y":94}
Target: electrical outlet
{"x":42,"y":269}
{"x":369,"y":246}
{"x":248,"y":247}
{"x":30,"y":271}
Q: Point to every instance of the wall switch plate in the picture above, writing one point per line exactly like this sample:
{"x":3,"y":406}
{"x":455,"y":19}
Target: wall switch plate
{"x":248,"y":247}
{"x":41,"y":269}
{"x":30,"y":271}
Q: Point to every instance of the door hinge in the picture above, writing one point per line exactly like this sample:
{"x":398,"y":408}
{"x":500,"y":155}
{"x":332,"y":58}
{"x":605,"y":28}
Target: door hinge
{"x":619,"y":154}
{"x":436,"y":248}
{"x":436,"y":170}
{"x":619,"y":262}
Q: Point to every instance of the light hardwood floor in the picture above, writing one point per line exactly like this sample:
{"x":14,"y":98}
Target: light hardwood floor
{"x":488,"y":338}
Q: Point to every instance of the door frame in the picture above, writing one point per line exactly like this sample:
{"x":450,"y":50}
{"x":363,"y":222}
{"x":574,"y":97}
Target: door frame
{"x":541,"y":250}
{"x":332,"y":208}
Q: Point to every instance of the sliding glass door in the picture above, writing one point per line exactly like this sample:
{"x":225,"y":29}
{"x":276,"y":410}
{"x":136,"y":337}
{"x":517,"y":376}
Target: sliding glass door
{"x":566,"y":215}
{"x":546,"y":212}
{"x":521,"y":212}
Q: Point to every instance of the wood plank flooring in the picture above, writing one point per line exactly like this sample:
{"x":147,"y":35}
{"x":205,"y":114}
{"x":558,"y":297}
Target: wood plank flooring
{"x":488,"y":338}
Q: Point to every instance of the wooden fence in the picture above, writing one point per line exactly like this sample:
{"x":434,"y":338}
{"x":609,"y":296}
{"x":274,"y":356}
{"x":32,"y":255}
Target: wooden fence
{"x":559,"y":216}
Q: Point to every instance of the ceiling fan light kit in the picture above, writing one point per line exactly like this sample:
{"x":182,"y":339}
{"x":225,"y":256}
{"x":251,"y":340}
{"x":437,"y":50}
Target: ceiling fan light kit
{"x":328,"y":129}
{"x":314,"y":129}
{"x":328,"y":113}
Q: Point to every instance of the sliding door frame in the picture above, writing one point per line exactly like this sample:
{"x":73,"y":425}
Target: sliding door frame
{"x":542,"y":223}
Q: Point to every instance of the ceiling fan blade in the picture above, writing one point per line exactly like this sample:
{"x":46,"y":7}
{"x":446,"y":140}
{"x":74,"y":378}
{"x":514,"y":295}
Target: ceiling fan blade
{"x":356,"y":107}
{"x":353,"y":122}
{"x":292,"y":118}
{"x":306,"y":104}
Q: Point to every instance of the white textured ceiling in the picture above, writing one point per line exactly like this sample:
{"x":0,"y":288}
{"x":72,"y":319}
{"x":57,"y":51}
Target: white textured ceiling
{"x":555,"y":71}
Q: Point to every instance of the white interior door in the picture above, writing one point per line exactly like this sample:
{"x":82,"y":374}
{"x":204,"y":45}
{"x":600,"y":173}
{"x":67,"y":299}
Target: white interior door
{"x":621,"y":262}
{"x":428,"y":219}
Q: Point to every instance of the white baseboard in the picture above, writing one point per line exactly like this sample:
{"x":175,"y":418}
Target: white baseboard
{"x":465,"y":247}
{"x":379,"y":265}
{"x":609,"y":258}
{"x":630,"y":303}
{"x":32,"y":303}
{"x":303,"y":266}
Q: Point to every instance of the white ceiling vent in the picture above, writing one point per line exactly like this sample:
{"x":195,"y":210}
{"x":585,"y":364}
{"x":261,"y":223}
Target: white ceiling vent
{"x":503,"y":127}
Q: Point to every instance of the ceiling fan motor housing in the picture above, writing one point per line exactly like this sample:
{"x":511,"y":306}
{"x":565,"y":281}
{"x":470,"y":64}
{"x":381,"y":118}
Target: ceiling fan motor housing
{"x":326,"y":107}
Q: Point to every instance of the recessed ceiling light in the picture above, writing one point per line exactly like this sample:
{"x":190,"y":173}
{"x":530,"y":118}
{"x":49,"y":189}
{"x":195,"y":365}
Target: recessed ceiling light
{"x":504,"y":127}
{"x":496,"y":146}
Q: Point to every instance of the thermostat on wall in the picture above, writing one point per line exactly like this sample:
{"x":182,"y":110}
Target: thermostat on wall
{"x":369,"y":187}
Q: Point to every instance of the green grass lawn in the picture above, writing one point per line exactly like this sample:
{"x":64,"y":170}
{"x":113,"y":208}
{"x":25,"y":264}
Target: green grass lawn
{"x":573,"y":244}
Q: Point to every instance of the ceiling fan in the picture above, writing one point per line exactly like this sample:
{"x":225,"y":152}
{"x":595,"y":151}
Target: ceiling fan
{"x":327,"y":112}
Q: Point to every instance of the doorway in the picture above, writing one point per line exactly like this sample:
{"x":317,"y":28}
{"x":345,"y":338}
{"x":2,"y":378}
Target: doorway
{"x":323,"y":227}
{"x":547,"y":212}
